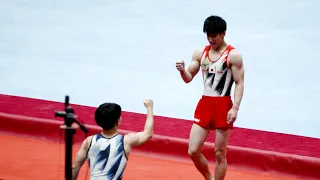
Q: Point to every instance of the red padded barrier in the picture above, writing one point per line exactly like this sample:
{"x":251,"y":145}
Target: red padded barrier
{"x":172,"y":127}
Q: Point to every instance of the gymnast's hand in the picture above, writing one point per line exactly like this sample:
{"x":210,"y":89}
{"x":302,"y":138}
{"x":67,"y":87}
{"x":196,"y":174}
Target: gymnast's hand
{"x":232,"y":115}
{"x":148,"y":103}
{"x":180,"y":65}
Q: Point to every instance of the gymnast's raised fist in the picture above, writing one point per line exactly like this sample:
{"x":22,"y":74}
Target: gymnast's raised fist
{"x":148,"y":103}
{"x":180,"y":65}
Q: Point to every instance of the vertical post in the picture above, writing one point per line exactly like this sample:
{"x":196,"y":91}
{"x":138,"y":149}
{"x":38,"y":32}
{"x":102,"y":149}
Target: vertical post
{"x":69,"y":119}
{"x":68,"y":157}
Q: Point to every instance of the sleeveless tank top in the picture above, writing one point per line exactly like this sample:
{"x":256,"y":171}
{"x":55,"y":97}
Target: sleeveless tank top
{"x":217,"y":76}
{"x":106,"y":157}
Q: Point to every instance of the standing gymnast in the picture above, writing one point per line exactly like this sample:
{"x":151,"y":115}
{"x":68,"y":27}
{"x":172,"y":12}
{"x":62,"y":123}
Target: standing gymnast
{"x":222,"y":66}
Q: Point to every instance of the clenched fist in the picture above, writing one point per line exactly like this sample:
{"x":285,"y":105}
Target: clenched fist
{"x":180,"y":65}
{"x":148,"y":103}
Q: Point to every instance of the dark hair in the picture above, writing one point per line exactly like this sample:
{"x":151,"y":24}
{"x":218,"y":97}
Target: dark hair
{"x":214,"y":25}
{"x":107,"y":115}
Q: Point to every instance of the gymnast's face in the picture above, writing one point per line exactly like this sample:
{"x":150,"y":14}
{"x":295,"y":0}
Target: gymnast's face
{"x":216,"y":39}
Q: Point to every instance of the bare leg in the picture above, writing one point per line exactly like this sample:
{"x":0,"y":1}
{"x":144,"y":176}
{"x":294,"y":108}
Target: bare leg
{"x":197,"y":137}
{"x":222,"y":137}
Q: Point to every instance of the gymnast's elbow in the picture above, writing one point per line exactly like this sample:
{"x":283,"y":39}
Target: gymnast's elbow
{"x":149,"y":134}
{"x":187,"y":80}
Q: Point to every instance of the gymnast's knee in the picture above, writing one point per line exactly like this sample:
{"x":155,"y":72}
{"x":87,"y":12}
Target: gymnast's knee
{"x":220,"y":155}
{"x":194,"y":151}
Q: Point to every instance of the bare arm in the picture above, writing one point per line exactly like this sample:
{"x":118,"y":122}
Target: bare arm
{"x":136,"y":139}
{"x":80,"y":158}
{"x":193,"y":69}
{"x":237,"y":68}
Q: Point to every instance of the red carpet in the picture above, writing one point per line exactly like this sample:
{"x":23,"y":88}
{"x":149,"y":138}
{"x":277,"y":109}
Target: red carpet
{"x":261,"y":140}
{"x":32,"y":159}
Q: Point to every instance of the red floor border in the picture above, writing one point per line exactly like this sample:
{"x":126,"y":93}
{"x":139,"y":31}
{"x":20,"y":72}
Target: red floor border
{"x":275,"y":142}
{"x":259,"y":160}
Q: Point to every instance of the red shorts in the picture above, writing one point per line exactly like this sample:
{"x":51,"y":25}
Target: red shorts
{"x":211,"y":112}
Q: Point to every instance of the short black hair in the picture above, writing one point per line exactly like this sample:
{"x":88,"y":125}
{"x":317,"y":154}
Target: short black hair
{"x":214,"y":25}
{"x":107,"y":115}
